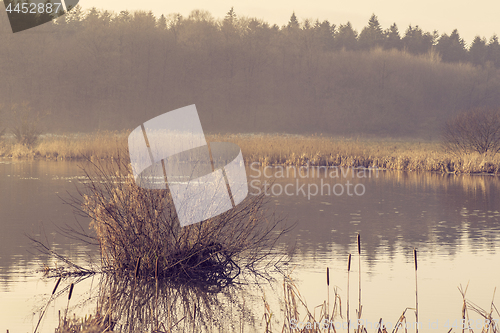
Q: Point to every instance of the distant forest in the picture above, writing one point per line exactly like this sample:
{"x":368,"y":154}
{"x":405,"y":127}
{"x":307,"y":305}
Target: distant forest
{"x":101,"y":70}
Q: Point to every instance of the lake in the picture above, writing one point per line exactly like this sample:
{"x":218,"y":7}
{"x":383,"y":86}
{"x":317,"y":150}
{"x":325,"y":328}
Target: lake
{"x":452,"y":220}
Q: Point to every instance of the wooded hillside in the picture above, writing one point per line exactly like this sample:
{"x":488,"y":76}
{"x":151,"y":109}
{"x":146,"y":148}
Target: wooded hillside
{"x":101,"y":70}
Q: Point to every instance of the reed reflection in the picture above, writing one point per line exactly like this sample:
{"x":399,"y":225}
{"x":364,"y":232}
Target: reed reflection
{"x":143,"y":304}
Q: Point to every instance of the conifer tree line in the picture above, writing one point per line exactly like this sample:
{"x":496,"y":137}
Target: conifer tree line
{"x":451,"y":48}
{"x":96,"y":69}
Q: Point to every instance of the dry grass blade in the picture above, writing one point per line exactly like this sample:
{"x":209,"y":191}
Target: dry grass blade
{"x":465,"y":314}
{"x":491,"y":324}
{"x":402,"y":322}
{"x":48,"y":302}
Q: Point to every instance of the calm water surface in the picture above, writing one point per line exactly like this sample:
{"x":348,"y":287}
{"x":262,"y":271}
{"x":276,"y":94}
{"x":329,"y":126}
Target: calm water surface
{"x":453,"y":221}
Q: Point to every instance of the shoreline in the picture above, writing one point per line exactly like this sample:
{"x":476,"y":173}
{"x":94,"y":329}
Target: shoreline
{"x":277,"y":150}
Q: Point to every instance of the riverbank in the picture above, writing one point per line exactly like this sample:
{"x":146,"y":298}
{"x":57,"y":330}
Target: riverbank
{"x":278,"y":149}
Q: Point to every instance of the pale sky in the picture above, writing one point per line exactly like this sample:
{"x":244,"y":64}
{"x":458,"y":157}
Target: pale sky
{"x":481,"y":18}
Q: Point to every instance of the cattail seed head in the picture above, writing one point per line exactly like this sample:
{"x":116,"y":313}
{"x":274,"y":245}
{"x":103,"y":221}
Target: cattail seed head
{"x":137,"y":267}
{"x":57,"y":285}
{"x":70,"y":291}
{"x":359,"y":244}
{"x":415,"y":257}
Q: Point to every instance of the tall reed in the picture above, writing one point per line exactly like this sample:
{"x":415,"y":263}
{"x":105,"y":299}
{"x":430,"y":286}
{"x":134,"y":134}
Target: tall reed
{"x":359,"y":281}
{"x":328,"y":291}
{"x":70,"y":293}
{"x":416,"y":288}
{"x":48,"y":302}
{"x":348,"y":272}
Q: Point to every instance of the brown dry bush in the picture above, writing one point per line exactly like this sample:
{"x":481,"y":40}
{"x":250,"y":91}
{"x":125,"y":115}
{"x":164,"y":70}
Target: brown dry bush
{"x":138,"y":231}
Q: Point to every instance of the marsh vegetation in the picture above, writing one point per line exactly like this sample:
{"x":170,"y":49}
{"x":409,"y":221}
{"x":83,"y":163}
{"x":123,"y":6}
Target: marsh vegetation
{"x":283,"y":149}
{"x":124,"y":305}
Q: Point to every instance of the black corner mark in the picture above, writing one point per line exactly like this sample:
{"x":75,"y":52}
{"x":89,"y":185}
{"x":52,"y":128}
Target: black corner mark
{"x":26,"y":14}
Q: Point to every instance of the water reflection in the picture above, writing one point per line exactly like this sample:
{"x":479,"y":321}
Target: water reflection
{"x":397,"y":211}
{"x":141,"y":305}
{"x":454,"y":221}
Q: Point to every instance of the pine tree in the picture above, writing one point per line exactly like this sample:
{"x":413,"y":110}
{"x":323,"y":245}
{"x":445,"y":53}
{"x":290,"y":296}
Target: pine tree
{"x":493,"y":54}
{"x":293,"y":24}
{"x":392,"y":39}
{"x":325,"y":34}
{"x":372,"y":35}
{"x":478,"y":51}
{"x":452,"y":48}
{"x":230,"y":17}
{"x":416,"y":41}
{"x":162,"y":23}
{"x":346,"y":37}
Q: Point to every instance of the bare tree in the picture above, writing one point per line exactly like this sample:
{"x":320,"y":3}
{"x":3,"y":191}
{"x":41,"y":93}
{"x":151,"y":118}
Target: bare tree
{"x":26,"y":124}
{"x":477,"y":130}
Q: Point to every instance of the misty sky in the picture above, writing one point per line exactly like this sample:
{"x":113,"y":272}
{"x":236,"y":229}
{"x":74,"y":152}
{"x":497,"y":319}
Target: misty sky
{"x":482,"y":17}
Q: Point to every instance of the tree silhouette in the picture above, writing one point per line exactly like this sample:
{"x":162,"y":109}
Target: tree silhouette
{"x":493,"y":54}
{"x":325,"y":33}
{"x":371,"y":35}
{"x":478,"y":51}
{"x":393,"y":39}
{"x":417,"y":41}
{"x":293,"y":24}
{"x":346,"y":37}
{"x":116,"y":70}
{"x":477,"y":130}
{"x":452,"y":48}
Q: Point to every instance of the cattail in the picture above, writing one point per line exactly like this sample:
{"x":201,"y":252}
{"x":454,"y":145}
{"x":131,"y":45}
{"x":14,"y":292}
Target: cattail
{"x":50,"y":299}
{"x":359,"y":244}
{"x":348,"y":271}
{"x":137,"y":267}
{"x":57,"y":285}
{"x":70,"y":291}
{"x":416,"y":287}
{"x":328,"y":291}
{"x":359,"y":277}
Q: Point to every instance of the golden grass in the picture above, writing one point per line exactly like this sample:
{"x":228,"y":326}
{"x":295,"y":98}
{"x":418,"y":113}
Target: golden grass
{"x":88,"y":324}
{"x":101,"y":145}
{"x":280,"y":149}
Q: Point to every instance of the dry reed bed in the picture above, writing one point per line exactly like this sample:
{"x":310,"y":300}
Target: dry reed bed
{"x":281,"y":149}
